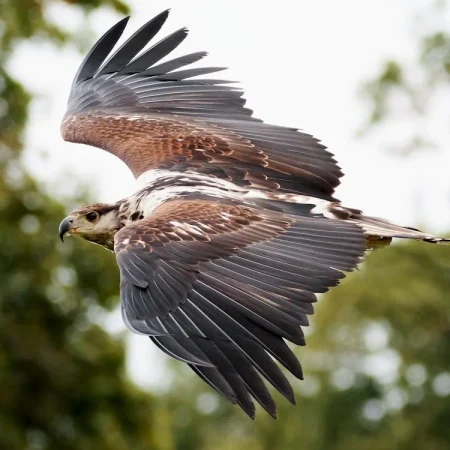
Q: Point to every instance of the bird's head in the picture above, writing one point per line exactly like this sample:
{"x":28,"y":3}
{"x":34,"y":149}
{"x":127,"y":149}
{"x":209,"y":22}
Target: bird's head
{"x":96,"y":223}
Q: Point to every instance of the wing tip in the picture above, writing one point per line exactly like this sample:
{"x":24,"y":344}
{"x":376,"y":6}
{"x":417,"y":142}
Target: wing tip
{"x":91,"y":62}
{"x":248,"y":408}
{"x":122,"y":23}
{"x":273,"y":413}
{"x":182,"y":30}
{"x":161,"y":17}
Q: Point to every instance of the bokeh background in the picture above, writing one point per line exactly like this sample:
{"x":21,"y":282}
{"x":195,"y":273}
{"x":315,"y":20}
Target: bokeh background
{"x":371,"y":79}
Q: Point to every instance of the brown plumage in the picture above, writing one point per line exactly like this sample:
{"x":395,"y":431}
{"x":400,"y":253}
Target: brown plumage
{"x":153,"y":141}
{"x":152,"y":119}
{"x":234,"y":228}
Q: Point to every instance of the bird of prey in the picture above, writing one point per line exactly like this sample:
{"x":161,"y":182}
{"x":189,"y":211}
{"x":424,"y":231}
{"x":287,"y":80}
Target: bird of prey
{"x":233,"y":229}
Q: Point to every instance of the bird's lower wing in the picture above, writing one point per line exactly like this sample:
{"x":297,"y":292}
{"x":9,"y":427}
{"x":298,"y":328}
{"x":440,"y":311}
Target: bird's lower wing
{"x":222,"y":286}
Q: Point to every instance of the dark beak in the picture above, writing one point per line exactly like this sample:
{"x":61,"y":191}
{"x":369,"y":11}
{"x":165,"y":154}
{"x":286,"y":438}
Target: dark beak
{"x":65,"y":226}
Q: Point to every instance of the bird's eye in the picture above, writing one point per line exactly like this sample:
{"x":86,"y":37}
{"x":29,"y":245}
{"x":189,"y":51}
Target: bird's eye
{"x":91,"y":216}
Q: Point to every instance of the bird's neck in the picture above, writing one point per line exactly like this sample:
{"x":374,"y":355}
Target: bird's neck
{"x":158,"y":186}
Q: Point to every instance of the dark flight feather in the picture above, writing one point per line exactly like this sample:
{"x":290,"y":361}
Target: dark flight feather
{"x":99,"y":52}
{"x":226,"y":305}
{"x":126,"y":52}
{"x":197,"y":117}
{"x":155,"y":53}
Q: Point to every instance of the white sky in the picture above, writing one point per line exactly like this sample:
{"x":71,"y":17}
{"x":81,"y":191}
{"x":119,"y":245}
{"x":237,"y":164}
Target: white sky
{"x":301,"y":64}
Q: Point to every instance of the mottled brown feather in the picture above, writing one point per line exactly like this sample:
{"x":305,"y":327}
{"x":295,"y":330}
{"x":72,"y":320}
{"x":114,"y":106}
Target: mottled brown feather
{"x":148,"y":141}
{"x":213,"y":219}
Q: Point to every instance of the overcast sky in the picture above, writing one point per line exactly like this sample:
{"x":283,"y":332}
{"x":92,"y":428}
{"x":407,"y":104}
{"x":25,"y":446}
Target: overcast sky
{"x":301,"y":64}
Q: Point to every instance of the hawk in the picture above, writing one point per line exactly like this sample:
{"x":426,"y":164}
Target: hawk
{"x":233,"y":229}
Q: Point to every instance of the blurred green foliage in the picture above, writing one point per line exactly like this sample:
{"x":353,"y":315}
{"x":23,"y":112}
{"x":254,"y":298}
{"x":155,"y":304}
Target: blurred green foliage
{"x":377,"y":364}
{"x":62,"y":377}
{"x":415,"y":83}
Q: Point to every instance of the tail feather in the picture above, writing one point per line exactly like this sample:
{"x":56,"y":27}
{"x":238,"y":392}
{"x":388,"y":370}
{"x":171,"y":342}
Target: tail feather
{"x":383,"y":230}
{"x":379,"y":232}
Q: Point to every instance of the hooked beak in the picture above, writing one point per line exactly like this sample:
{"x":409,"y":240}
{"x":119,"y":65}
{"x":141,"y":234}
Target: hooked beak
{"x":65,"y":227}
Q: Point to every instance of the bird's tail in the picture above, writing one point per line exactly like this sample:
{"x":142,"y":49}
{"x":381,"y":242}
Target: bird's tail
{"x":379,"y":232}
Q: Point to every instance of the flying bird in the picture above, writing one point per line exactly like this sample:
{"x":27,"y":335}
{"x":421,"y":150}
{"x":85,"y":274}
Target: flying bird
{"x":234,"y":228}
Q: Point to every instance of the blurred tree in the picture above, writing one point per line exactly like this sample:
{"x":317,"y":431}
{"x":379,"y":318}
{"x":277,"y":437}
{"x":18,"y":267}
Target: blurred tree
{"x":408,"y":88}
{"x":377,"y":363}
{"x":62,"y":377}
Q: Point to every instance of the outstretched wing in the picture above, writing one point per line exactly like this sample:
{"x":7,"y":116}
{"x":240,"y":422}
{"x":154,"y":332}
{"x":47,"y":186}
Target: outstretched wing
{"x":160,"y":115}
{"x":220,"y":286}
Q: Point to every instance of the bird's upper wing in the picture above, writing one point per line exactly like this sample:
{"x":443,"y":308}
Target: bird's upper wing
{"x":154,"y":115}
{"x":221,"y":285}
